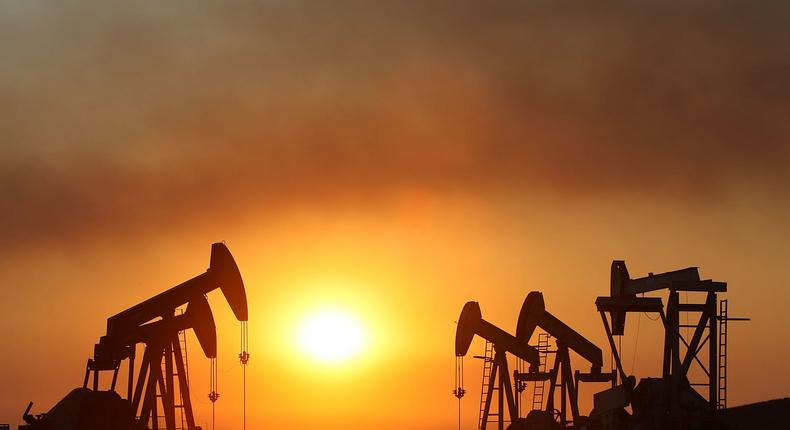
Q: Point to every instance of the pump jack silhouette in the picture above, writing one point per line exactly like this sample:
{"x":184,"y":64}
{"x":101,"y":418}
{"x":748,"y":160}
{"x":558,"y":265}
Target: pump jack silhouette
{"x":155,"y":324}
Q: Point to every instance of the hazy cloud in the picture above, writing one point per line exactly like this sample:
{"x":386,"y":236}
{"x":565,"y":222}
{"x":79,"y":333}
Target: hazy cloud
{"x":119,"y":115}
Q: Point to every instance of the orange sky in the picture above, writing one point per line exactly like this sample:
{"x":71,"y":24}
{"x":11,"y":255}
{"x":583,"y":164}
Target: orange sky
{"x":396,"y":160}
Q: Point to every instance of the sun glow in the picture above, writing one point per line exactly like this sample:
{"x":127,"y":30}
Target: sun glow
{"x":331,"y":335}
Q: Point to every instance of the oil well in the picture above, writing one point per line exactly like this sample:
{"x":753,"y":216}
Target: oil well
{"x":156,"y":394}
{"x":543,"y":344}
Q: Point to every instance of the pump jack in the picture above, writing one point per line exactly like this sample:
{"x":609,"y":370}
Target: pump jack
{"x":669,"y":401}
{"x":155,"y":324}
{"x":471,"y":323}
{"x":534,"y":314}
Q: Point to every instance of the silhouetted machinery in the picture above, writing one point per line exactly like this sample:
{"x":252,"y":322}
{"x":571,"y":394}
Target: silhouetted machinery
{"x":471,"y":323}
{"x":670,"y":401}
{"x":534,"y":315}
{"x":151,"y":391}
{"x":667,"y":402}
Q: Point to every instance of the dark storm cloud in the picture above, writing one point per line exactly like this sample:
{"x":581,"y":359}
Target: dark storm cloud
{"x":117,"y":116}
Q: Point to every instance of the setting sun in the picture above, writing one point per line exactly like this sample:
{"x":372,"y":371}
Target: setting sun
{"x":331,"y":335}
